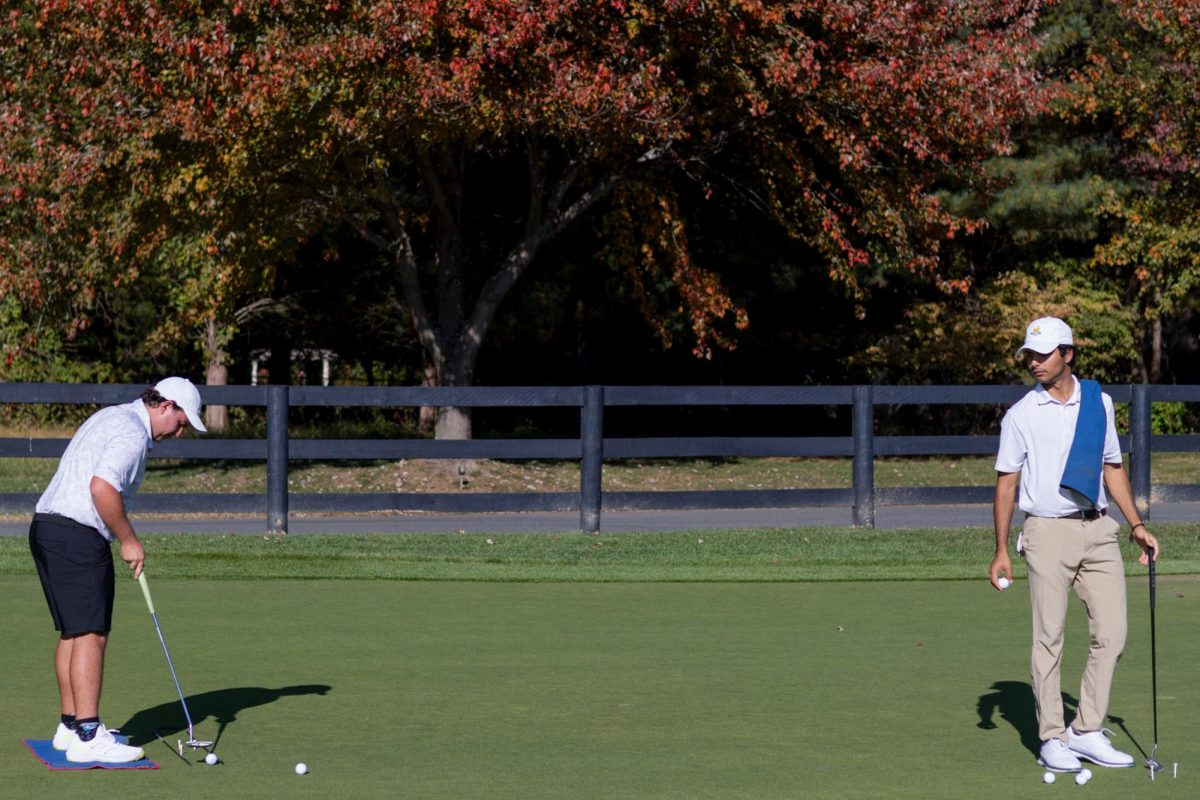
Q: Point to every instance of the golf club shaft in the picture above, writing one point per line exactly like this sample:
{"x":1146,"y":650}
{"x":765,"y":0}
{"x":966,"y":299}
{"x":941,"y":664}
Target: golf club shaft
{"x":1153,"y":649}
{"x":158,"y":628}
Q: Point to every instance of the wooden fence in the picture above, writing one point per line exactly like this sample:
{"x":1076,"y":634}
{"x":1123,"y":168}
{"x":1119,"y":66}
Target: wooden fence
{"x":591,"y":448}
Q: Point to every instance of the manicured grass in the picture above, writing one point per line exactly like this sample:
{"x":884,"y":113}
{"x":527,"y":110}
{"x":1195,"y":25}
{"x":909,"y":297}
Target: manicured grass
{"x":802,"y":554}
{"x":32,"y":474}
{"x":402,"y":689}
{"x":815,"y":663}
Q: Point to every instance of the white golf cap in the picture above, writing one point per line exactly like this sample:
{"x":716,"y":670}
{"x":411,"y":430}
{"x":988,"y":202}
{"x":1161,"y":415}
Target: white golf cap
{"x":1046,"y":334}
{"x":185,"y":395}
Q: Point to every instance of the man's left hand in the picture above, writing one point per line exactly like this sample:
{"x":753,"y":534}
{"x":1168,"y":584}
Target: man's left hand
{"x":1143,"y":538}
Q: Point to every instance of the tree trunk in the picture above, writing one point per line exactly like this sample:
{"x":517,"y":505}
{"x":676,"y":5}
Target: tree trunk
{"x":452,"y":331}
{"x":453,"y":422}
{"x":216,"y":418}
{"x":428,"y":417}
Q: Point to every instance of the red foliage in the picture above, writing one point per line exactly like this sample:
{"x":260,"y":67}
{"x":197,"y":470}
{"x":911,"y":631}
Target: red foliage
{"x":123,"y":125}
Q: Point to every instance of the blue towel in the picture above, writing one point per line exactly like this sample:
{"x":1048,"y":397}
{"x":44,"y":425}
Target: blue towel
{"x":56,"y":759}
{"x":1085,"y":461}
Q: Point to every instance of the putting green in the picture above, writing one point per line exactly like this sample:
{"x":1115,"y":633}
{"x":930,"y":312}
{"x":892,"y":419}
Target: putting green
{"x":585,"y":690}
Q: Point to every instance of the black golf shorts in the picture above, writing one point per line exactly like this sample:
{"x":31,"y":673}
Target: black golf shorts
{"x":75,"y":565}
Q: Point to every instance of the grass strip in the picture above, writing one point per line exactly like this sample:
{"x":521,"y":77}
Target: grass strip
{"x":775,"y":555}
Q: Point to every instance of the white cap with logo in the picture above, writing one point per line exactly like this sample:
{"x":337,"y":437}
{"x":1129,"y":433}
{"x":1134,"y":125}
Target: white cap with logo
{"x":184,"y":394}
{"x":1045,"y":335}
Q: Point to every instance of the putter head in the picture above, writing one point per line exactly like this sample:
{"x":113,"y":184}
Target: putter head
{"x":195,"y":744}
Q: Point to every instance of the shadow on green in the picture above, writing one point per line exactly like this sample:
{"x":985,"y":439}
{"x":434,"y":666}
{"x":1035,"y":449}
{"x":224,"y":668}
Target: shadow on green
{"x":1013,"y":701}
{"x":222,"y":706}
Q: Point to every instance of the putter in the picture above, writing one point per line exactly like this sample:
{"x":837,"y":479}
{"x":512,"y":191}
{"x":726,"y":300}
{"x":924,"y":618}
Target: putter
{"x":1152,"y":762}
{"x":192,"y":741}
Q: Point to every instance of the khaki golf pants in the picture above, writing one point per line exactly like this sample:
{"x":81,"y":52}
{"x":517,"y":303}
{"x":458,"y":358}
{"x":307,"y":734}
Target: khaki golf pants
{"x":1084,"y":554}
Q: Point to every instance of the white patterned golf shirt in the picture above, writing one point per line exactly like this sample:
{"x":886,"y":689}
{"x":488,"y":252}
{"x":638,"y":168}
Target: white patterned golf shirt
{"x":111,"y":445}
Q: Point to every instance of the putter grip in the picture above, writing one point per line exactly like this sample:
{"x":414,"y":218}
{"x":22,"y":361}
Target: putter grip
{"x":1153,"y":582}
{"x":146,"y":592}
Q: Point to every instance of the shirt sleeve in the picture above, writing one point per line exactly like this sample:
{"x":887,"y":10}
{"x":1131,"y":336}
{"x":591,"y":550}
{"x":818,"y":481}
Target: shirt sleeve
{"x":119,"y":464}
{"x":1012,"y":452}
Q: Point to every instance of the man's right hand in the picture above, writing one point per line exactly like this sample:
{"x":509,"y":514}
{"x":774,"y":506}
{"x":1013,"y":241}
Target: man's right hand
{"x":133,"y":554}
{"x":1001,"y":565}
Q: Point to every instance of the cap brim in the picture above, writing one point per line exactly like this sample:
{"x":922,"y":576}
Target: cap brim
{"x":195,"y":421}
{"x":1037,"y":347}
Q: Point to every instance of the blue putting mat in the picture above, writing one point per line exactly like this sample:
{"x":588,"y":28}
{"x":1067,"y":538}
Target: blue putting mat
{"x":57,"y":759}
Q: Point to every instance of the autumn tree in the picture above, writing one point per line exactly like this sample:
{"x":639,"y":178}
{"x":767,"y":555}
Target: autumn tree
{"x":1143,"y":79}
{"x":1093,"y":215}
{"x":107,"y":184}
{"x":459,"y":137}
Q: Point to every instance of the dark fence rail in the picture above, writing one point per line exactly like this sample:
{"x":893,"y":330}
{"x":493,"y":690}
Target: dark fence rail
{"x":591,"y":448}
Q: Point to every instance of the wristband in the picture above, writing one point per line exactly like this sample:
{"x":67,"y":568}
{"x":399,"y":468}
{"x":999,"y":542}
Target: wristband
{"x":1139,"y":525}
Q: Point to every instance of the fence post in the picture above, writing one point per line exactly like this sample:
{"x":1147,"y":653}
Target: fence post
{"x":864,"y":458}
{"x":591,"y":462}
{"x":1139,"y":447}
{"x":277,"y":459}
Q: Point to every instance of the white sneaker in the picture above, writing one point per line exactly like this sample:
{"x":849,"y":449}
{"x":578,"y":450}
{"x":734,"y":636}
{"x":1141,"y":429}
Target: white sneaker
{"x":1056,"y":757}
{"x":104,"y":748}
{"x":62,"y":737}
{"x":1096,"y":748}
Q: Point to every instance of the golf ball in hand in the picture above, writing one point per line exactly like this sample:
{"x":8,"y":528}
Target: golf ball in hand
{"x":210,"y":759}
{"x":1048,"y":777}
{"x":1003,"y":582}
{"x":301,"y":768}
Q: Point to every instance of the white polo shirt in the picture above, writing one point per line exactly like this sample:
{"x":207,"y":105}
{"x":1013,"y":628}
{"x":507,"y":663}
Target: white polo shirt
{"x":111,"y":445}
{"x":1035,"y":438}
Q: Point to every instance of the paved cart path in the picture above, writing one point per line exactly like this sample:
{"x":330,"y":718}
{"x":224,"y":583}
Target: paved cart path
{"x":886,"y":518}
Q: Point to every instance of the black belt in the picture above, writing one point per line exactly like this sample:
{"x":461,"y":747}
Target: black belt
{"x":1089,"y":513}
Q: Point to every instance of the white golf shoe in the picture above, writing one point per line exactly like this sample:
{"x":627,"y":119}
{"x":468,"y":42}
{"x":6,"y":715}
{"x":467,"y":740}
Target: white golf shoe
{"x":103,"y":748}
{"x":62,"y":737}
{"x":1096,"y":748}
{"x":1057,"y":757}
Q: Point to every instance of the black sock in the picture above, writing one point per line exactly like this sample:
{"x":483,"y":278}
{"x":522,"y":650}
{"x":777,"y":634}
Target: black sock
{"x":69,"y":721}
{"x":85,"y":729}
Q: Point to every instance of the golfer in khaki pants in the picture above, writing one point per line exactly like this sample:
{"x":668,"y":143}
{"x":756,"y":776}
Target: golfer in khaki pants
{"x":1068,"y":541}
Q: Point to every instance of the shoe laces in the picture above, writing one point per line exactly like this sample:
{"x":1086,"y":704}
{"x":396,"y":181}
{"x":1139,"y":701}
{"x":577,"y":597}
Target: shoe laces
{"x":104,"y":736}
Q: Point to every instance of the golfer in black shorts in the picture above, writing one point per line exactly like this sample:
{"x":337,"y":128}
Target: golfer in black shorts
{"x":76,"y":520}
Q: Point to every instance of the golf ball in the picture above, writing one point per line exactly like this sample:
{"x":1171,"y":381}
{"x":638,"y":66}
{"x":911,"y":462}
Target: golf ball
{"x":1048,"y":777}
{"x":1004,"y":582}
{"x":1087,"y":772}
{"x":210,"y":759}
{"x":301,"y":768}
{"x":1082,"y":777}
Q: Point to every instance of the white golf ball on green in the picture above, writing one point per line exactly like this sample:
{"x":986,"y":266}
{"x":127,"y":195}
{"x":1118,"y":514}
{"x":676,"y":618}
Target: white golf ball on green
{"x":1048,"y":777}
{"x":211,"y":759}
{"x":1003,"y":582}
{"x":301,"y":768}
